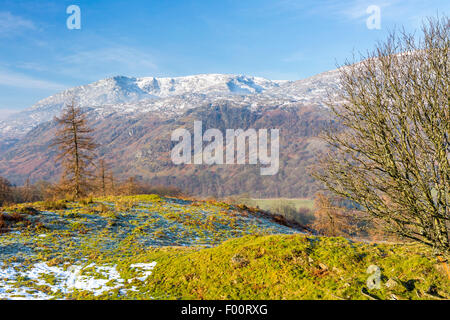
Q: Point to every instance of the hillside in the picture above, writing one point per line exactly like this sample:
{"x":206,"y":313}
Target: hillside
{"x":141,"y":147}
{"x":147,"y":247}
{"x":133,"y":119}
{"x":167,"y":96}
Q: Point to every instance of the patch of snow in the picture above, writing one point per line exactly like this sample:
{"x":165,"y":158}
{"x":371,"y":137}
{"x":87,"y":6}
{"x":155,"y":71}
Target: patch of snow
{"x":66,"y":280}
{"x":146,"y":268}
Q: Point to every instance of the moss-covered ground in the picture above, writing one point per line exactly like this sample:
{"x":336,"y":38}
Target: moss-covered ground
{"x":148,"y":247}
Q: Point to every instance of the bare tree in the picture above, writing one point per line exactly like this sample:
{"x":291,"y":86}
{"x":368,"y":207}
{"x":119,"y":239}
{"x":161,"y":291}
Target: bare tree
{"x":331,"y":220}
{"x":5,"y":191}
{"x":102,"y":176}
{"x":26,"y":192}
{"x":130,"y":187}
{"x":105,"y":178}
{"x":392,"y":154}
{"x":113,"y":183}
{"x":76,"y":151}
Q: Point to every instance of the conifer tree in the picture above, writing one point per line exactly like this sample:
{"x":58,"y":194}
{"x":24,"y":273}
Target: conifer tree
{"x":76,"y":148}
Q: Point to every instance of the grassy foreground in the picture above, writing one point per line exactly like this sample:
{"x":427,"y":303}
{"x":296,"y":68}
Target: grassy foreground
{"x":148,"y":247}
{"x":296,"y":267}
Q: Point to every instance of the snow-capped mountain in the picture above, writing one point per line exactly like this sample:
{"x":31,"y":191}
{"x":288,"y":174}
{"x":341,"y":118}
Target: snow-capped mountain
{"x":129,"y":95}
{"x":133,"y":118}
{"x":208,"y":84}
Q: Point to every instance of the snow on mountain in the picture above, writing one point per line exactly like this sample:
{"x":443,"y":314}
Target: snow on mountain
{"x":206,"y":84}
{"x":313,"y":89}
{"x":170,"y":95}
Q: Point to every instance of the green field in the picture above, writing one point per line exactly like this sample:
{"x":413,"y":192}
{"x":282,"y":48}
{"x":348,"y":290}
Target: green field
{"x":268,"y":204}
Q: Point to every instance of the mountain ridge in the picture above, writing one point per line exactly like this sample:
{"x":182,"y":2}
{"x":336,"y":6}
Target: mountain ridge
{"x":121,"y":94}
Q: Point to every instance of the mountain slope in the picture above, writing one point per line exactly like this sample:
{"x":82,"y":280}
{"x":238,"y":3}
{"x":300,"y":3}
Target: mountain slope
{"x":133,"y":120}
{"x":167,"y":95}
{"x":141,"y":146}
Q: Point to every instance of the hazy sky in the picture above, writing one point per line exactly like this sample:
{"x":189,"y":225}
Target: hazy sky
{"x":284,"y":39}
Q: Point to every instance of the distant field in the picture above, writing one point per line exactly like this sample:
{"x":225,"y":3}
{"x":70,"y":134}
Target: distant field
{"x":267,"y":204}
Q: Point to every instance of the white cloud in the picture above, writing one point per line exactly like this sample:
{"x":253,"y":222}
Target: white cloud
{"x":357,"y":10}
{"x":18,"y":80}
{"x":103,"y":61}
{"x":90,"y":65}
{"x":11,"y":24}
{"x":347,"y":10}
{"x":34,"y":66}
{"x":294,"y":57}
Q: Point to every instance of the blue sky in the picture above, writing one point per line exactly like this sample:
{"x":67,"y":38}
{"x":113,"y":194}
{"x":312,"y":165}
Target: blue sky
{"x":284,"y":39}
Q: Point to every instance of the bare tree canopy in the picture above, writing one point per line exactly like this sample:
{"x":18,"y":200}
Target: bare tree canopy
{"x":76,"y":148}
{"x":391,"y":154}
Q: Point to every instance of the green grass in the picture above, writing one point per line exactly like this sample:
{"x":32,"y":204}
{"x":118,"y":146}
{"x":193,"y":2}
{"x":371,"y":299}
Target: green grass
{"x":296,"y":267}
{"x":241,"y":264}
